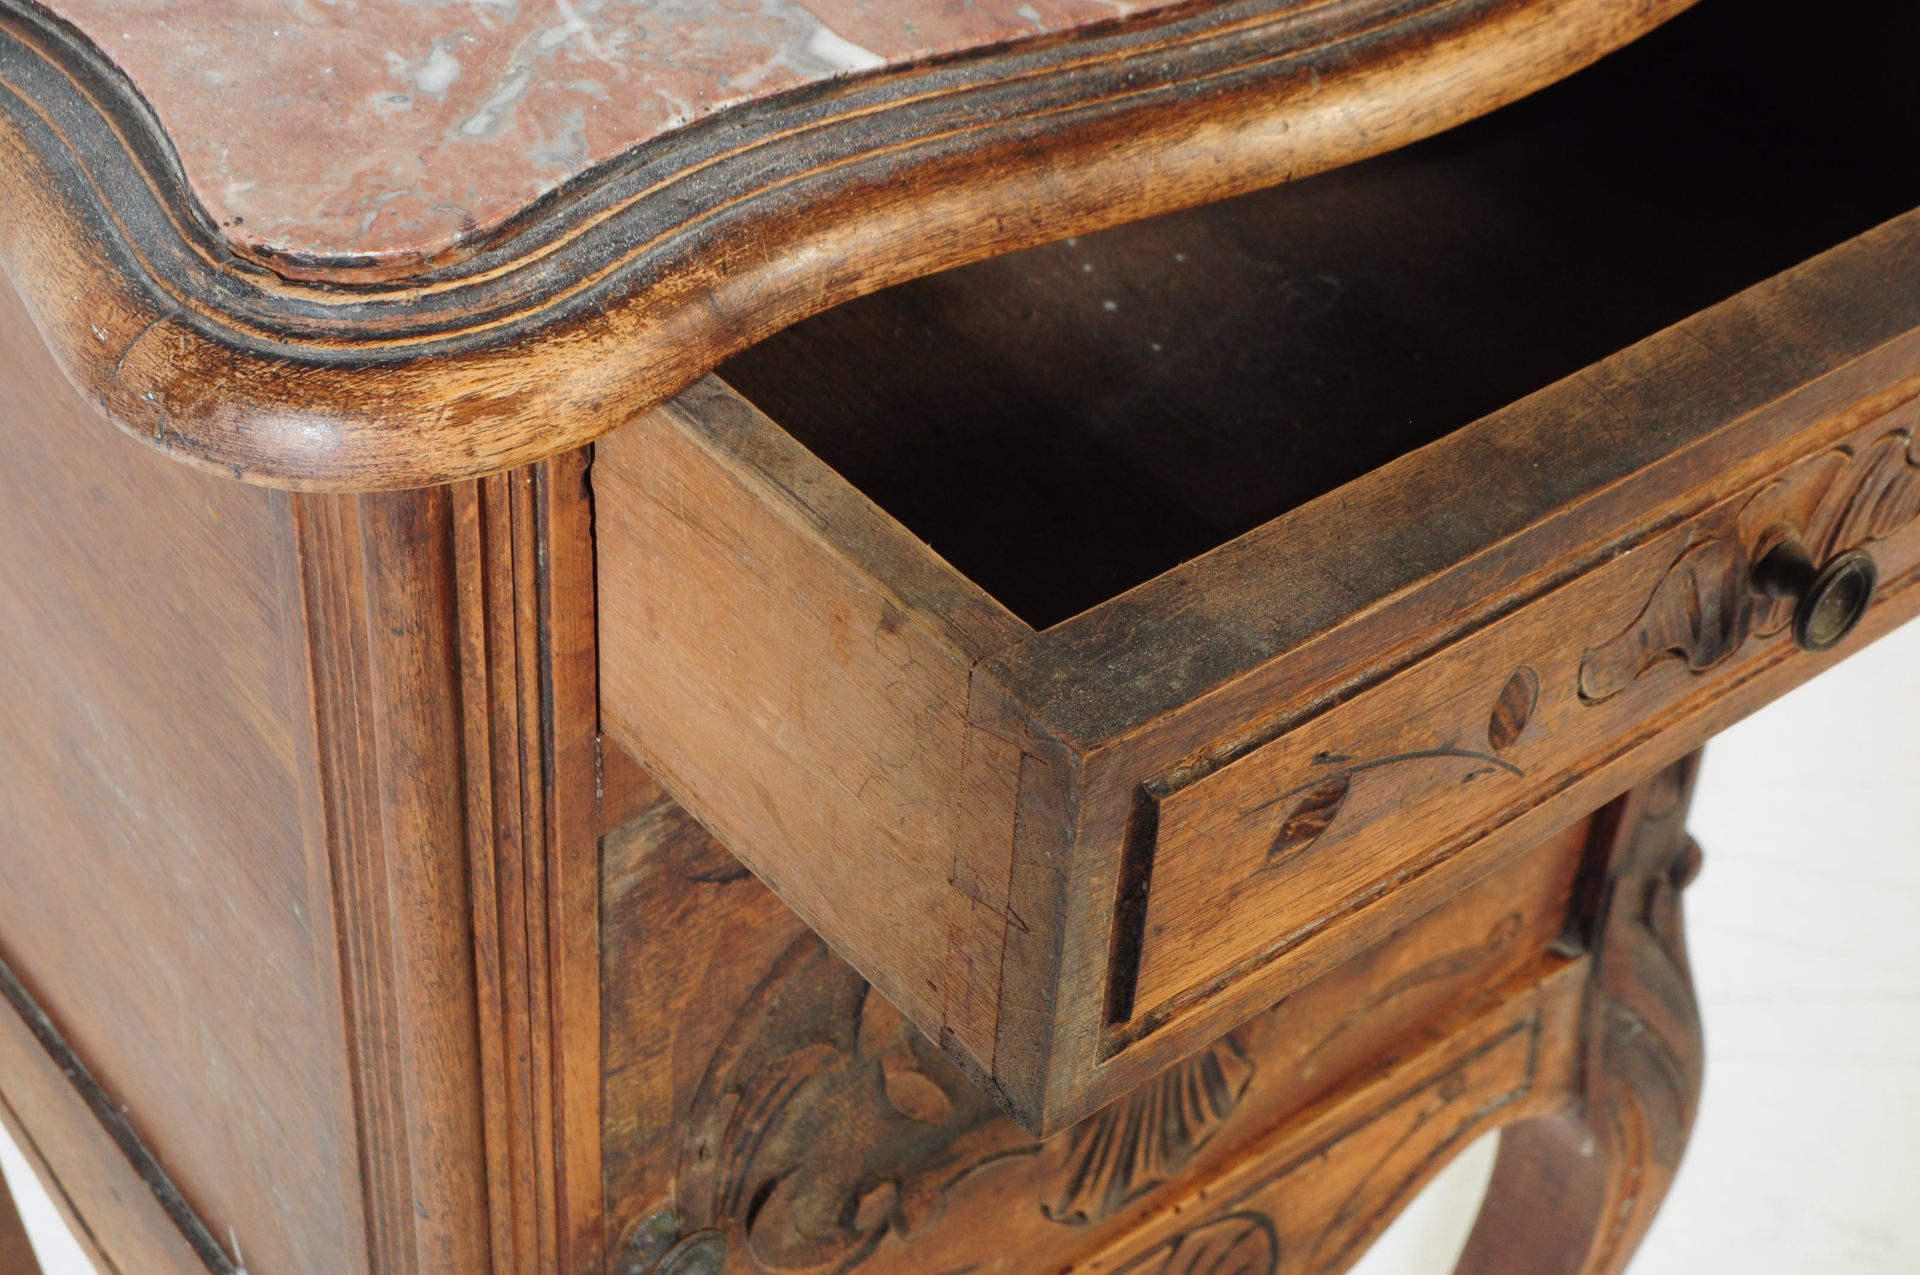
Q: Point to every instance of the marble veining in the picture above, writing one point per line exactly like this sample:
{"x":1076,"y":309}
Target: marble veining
{"x":391,"y":130}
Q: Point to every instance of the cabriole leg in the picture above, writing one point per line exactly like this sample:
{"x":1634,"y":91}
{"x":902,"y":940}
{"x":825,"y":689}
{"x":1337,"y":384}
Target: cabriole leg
{"x":1574,"y":1193}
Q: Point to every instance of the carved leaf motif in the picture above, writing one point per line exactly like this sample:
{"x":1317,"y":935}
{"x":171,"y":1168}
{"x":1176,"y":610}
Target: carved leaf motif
{"x":1699,"y":612}
{"x":1870,"y":494}
{"x":1839,"y":501}
{"x":1705,"y":607}
{"x":823,"y":1125}
{"x":873,"y":1210}
{"x":1310,"y":819}
{"x":880,"y":1025}
{"x":909,"y":1089}
{"x":1237,"y":1244}
{"x":1108,"y":1161}
{"x":1514,"y":709}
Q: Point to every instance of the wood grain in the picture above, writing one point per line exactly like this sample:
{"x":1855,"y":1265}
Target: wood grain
{"x":524,"y":563}
{"x":617,"y":293}
{"x":156,"y":892}
{"x":1240,"y":773}
{"x":1848,"y":498}
{"x":1067,"y":422}
{"x":453,"y":796}
{"x":387,"y":815}
{"x":1252,"y":891}
{"x":720,"y":538}
{"x":797,"y":670}
{"x":302,"y":808}
{"x":1575,"y":1191}
{"x":1304,"y":1133}
{"x":1327,"y":1183}
{"x":1592,"y":1074}
{"x":115,"y":1214}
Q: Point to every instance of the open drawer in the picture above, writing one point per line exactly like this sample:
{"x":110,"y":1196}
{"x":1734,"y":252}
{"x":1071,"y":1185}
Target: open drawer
{"x":1098,"y":643}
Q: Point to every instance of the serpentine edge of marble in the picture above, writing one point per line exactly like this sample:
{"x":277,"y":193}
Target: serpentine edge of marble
{"x":394,"y":132}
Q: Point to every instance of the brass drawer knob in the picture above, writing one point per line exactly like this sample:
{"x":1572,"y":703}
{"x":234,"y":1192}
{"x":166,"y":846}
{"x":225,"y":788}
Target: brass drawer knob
{"x":1828,"y":601}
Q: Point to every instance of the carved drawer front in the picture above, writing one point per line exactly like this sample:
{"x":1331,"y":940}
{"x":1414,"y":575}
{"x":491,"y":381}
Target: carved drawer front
{"x":1391,"y":783}
{"x":1098,"y":644}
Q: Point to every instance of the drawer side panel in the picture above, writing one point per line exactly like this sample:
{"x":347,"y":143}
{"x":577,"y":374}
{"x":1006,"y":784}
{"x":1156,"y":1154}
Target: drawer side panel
{"x":765,"y":653}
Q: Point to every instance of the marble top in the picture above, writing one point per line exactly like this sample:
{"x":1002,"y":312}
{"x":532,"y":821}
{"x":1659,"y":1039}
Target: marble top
{"x":392,"y":130}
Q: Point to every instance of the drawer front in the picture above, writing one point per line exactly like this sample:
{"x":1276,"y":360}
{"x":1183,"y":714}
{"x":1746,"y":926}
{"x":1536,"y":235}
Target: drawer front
{"x":1256,"y":855}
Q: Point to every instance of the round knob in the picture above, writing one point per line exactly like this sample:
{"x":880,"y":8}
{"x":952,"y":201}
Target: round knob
{"x":1828,"y":601}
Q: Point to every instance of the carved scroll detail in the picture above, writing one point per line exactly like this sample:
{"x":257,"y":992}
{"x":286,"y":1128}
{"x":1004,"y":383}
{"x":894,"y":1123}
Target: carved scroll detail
{"x":1705,"y":608}
{"x":825,"y":1124}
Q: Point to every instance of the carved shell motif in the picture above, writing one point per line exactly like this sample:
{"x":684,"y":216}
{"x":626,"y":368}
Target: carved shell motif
{"x":1111,"y":1159}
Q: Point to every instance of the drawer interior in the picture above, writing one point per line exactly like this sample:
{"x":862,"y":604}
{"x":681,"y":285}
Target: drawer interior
{"x":1064,"y":423}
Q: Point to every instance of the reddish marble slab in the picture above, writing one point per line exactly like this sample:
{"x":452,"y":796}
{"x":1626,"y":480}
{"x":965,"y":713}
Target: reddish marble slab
{"x":392,"y":129}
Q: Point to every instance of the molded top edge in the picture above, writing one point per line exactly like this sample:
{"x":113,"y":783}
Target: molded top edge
{"x":641,"y":273}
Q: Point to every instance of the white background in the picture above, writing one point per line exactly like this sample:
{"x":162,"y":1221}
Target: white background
{"x":1805,"y":932}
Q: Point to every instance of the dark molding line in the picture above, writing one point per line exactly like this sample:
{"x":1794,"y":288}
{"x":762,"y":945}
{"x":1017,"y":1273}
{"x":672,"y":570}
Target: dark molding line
{"x":114,"y":1122}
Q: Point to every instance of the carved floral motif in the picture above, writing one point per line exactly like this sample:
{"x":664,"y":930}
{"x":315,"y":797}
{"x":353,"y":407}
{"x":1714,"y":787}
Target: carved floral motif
{"x":1315,"y":806}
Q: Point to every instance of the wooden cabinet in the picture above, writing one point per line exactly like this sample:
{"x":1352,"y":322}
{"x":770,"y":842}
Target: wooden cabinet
{"x":974,"y":649}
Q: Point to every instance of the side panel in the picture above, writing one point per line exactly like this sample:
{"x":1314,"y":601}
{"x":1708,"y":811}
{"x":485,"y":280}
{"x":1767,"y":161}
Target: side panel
{"x":79,"y":1163}
{"x":156,"y":894}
